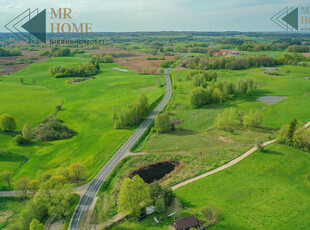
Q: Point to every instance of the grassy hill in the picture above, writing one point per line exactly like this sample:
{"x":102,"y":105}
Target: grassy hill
{"x":87,"y":109}
{"x":269,"y":190}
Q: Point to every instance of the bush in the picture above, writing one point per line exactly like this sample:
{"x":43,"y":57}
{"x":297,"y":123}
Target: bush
{"x":20,"y":140}
{"x":7,"y":123}
{"x":83,"y":70}
{"x":163,"y":123}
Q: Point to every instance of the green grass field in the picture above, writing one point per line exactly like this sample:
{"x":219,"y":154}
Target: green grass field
{"x":202,"y":147}
{"x":87,"y":109}
{"x":269,"y":190}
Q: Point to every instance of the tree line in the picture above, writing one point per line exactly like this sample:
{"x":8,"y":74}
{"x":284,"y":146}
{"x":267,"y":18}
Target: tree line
{"x":294,"y":135}
{"x":132,"y":114}
{"x":56,"y":52}
{"x":82,"y":70}
{"x":9,"y":52}
{"x":233,"y":63}
{"x":256,"y":47}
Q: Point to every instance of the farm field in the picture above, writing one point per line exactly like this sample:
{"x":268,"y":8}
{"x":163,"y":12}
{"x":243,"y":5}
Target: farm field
{"x":87,"y":109}
{"x":267,"y":190}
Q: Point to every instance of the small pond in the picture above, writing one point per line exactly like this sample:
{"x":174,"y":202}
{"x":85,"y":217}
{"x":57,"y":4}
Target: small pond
{"x":154,"y":172}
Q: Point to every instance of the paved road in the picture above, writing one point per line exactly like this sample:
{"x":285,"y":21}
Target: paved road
{"x":94,"y":186}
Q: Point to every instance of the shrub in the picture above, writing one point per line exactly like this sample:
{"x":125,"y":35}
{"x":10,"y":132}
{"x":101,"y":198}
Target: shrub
{"x":20,"y":140}
{"x":7,"y":123}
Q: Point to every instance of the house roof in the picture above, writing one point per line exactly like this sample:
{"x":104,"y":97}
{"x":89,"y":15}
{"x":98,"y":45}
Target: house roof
{"x":186,"y":222}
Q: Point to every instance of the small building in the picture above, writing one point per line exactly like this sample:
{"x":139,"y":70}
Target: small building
{"x":186,"y":223}
{"x":150,"y":210}
{"x":215,"y":54}
{"x":235,"y":53}
{"x":270,"y":68}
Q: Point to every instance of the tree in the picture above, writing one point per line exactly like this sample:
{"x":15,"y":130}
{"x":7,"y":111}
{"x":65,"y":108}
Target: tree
{"x":77,"y":172}
{"x":21,"y":79}
{"x":160,"y":204}
{"x":103,"y":206}
{"x":33,"y":187}
{"x":259,"y":145}
{"x":27,"y":133}
{"x":163,"y":123}
{"x":21,"y":186}
{"x":133,"y":191}
{"x":240,"y":117}
{"x":7,"y":123}
{"x":155,"y":189}
{"x":176,"y":206}
{"x":291,"y":130}
{"x":36,"y":225}
{"x":211,"y":215}
{"x":7,"y":177}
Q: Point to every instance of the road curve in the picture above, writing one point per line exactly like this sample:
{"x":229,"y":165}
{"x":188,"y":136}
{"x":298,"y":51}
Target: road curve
{"x":94,"y":186}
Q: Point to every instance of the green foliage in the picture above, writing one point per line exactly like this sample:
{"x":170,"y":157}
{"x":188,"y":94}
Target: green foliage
{"x":20,"y":140}
{"x":160,"y":204}
{"x":163,"y":122}
{"x":27,"y":133}
{"x":7,"y":123}
{"x":259,"y":145}
{"x":225,"y":119}
{"x":298,"y":49}
{"x":77,"y":172}
{"x":21,"y":186}
{"x":132,"y":114}
{"x":102,"y":59}
{"x":177,"y":207}
{"x":9,"y":52}
{"x":50,"y":129}
{"x":36,"y":225}
{"x":245,"y":86}
{"x":56,"y":52}
{"x":290,"y":135}
{"x":21,"y":79}
{"x":166,"y":64}
{"x":83,"y":70}
{"x":6,"y":176}
{"x":133,"y":191}
{"x":211,"y":215}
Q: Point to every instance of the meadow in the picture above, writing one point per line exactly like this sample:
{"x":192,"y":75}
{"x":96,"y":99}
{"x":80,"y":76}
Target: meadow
{"x":201,"y":146}
{"x":267,"y":190}
{"x":86,"y":108}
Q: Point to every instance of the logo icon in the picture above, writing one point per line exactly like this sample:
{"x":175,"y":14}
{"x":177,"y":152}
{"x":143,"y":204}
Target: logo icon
{"x":30,"y":26}
{"x":287,"y":19}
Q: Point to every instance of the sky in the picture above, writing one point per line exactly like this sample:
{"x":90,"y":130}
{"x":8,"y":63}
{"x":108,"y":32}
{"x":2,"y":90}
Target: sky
{"x":159,"y":15}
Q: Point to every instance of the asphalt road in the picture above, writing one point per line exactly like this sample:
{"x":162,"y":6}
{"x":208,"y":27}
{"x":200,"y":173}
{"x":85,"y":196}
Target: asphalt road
{"x":88,"y":197}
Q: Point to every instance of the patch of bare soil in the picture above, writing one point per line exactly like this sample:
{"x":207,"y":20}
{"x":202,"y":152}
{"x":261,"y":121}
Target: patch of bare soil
{"x":10,"y":69}
{"x":225,"y":139}
{"x":136,"y":63}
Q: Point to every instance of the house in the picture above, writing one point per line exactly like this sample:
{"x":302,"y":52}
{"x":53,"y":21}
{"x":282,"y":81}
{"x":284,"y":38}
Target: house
{"x":186,"y":223}
{"x":215,"y":54}
{"x":269,"y":68}
{"x":234,"y":53}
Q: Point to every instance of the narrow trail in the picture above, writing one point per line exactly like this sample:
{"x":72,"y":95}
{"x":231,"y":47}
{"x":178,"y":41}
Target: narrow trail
{"x":229,"y":164}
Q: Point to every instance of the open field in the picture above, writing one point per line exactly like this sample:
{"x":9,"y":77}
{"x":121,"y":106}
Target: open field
{"x":268,"y":190}
{"x":9,"y":207}
{"x":200,"y":146}
{"x":87,"y":109}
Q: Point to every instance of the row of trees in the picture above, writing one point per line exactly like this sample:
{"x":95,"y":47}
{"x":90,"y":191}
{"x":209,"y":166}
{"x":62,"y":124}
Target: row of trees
{"x":56,"y":52}
{"x":9,"y":52}
{"x":233,"y":63}
{"x":153,"y":71}
{"x":293,"y":135}
{"x":256,"y":47}
{"x":102,"y":58}
{"x":132,"y":114}
{"x":201,"y":77}
{"x":50,"y":195}
{"x":298,"y":49}
{"x":216,"y":92}
{"x":82,"y":70}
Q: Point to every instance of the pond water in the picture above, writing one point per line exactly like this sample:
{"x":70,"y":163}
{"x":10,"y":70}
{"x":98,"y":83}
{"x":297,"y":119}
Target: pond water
{"x":154,"y":172}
